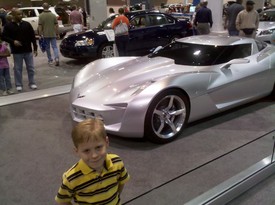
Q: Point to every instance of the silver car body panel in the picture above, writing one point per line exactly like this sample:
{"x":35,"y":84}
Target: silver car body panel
{"x":120,"y":90}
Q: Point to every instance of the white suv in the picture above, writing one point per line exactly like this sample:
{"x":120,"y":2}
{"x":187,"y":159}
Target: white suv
{"x":31,"y":15}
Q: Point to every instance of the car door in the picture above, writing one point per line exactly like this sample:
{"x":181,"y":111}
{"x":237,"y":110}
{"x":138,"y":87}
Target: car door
{"x":244,"y":79}
{"x":30,"y":15}
{"x":139,"y":35}
{"x":159,"y":32}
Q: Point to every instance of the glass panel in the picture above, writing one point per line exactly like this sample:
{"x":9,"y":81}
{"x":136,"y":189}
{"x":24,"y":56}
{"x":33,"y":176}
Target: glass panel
{"x":203,"y":55}
{"x":139,"y":22}
{"x":156,"y":20}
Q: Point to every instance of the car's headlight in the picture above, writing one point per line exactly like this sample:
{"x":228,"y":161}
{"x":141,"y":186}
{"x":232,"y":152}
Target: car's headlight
{"x":267,"y":32}
{"x":85,"y":42}
{"x":140,"y":88}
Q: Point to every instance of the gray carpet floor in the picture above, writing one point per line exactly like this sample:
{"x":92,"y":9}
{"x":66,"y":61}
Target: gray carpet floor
{"x":36,"y":149}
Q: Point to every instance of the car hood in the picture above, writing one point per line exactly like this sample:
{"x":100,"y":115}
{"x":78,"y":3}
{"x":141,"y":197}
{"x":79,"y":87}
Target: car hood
{"x":265,"y":25}
{"x":88,"y":33}
{"x":121,"y":82}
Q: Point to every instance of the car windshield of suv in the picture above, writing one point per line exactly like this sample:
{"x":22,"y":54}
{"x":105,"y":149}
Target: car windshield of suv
{"x":267,"y":16}
{"x":202,"y":55}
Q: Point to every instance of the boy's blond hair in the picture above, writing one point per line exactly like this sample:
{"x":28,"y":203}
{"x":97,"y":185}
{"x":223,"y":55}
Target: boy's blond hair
{"x":90,"y":129}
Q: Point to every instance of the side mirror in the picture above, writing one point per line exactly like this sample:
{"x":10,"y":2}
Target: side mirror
{"x":234,"y":62}
{"x":157,"y":49}
{"x":154,"y":51}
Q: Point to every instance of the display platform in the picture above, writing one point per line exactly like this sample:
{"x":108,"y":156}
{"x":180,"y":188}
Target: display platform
{"x":36,"y":149}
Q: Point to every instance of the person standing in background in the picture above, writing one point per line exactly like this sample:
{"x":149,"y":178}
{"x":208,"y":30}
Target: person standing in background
{"x":247,"y":21}
{"x":3,"y":15}
{"x":203,"y":19}
{"x":111,"y":12}
{"x":120,"y":26}
{"x":125,"y":8}
{"x":76,"y":19}
{"x":20,"y":35}
{"x":194,"y":27}
{"x":84,"y":14}
{"x":48,"y":29}
{"x":230,"y":18}
{"x":5,"y":78}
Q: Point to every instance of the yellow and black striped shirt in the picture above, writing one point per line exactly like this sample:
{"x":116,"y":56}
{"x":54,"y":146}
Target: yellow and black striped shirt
{"x":85,"y":186}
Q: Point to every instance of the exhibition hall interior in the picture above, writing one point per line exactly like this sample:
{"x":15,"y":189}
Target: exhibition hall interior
{"x":137,"y":102}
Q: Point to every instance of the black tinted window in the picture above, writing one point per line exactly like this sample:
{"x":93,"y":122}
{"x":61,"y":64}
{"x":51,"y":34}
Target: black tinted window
{"x":203,"y":55}
{"x":28,"y":13}
{"x":40,"y":11}
{"x":170,"y":20}
{"x":139,"y":21}
{"x":156,"y":20}
{"x":107,"y":24}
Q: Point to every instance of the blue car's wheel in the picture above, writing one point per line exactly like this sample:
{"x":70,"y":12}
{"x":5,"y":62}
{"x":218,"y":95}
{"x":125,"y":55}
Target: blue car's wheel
{"x":167,"y":116}
{"x":106,"y":51}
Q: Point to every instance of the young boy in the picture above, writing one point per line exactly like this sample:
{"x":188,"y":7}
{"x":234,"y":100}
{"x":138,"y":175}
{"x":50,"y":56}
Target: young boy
{"x":98,"y":177}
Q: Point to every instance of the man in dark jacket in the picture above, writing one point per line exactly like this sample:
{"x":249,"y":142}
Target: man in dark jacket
{"x":203,"y":19}
{"x":20,"y":35}
{"x":230,"y":19}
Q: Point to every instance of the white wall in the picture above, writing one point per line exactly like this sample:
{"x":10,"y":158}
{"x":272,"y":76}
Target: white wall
{"x":216,"y":7}
{"x":98,"y":12}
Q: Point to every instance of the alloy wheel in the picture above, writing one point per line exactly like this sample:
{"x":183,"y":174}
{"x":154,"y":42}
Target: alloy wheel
{"x":107,"y":51}
{"x":168,"y":117}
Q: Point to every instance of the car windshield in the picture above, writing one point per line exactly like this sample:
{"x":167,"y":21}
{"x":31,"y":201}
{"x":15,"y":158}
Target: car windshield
{"x":107,"y":24}
{"x":202,"y":55}
{"x":267,"y":16}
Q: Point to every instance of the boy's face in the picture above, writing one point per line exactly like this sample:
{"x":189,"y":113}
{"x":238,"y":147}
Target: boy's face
{"x":93,"y":152}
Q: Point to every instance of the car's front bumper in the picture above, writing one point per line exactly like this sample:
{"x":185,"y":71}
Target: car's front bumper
{"x":125,"y":120}
{"x":70,"y":51}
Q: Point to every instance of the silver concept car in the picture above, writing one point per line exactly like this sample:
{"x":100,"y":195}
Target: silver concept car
{"x":157,"y":95}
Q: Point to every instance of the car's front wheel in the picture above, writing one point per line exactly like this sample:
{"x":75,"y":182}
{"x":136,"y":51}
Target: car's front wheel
{"x":106,"y":51}
{"x":167,"y":116}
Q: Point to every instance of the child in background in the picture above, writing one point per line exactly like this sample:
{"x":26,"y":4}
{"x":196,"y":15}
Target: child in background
{"x":5,"y":79}
{"x":98,"y":178}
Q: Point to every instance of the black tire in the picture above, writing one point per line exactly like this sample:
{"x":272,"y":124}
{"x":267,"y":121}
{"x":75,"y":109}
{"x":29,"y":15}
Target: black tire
{"x":106,"y":51}
{"x":169,"y":110}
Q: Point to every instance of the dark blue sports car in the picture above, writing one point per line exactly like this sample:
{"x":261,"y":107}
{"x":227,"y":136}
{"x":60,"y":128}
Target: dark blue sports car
{"x":147,"y":31}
